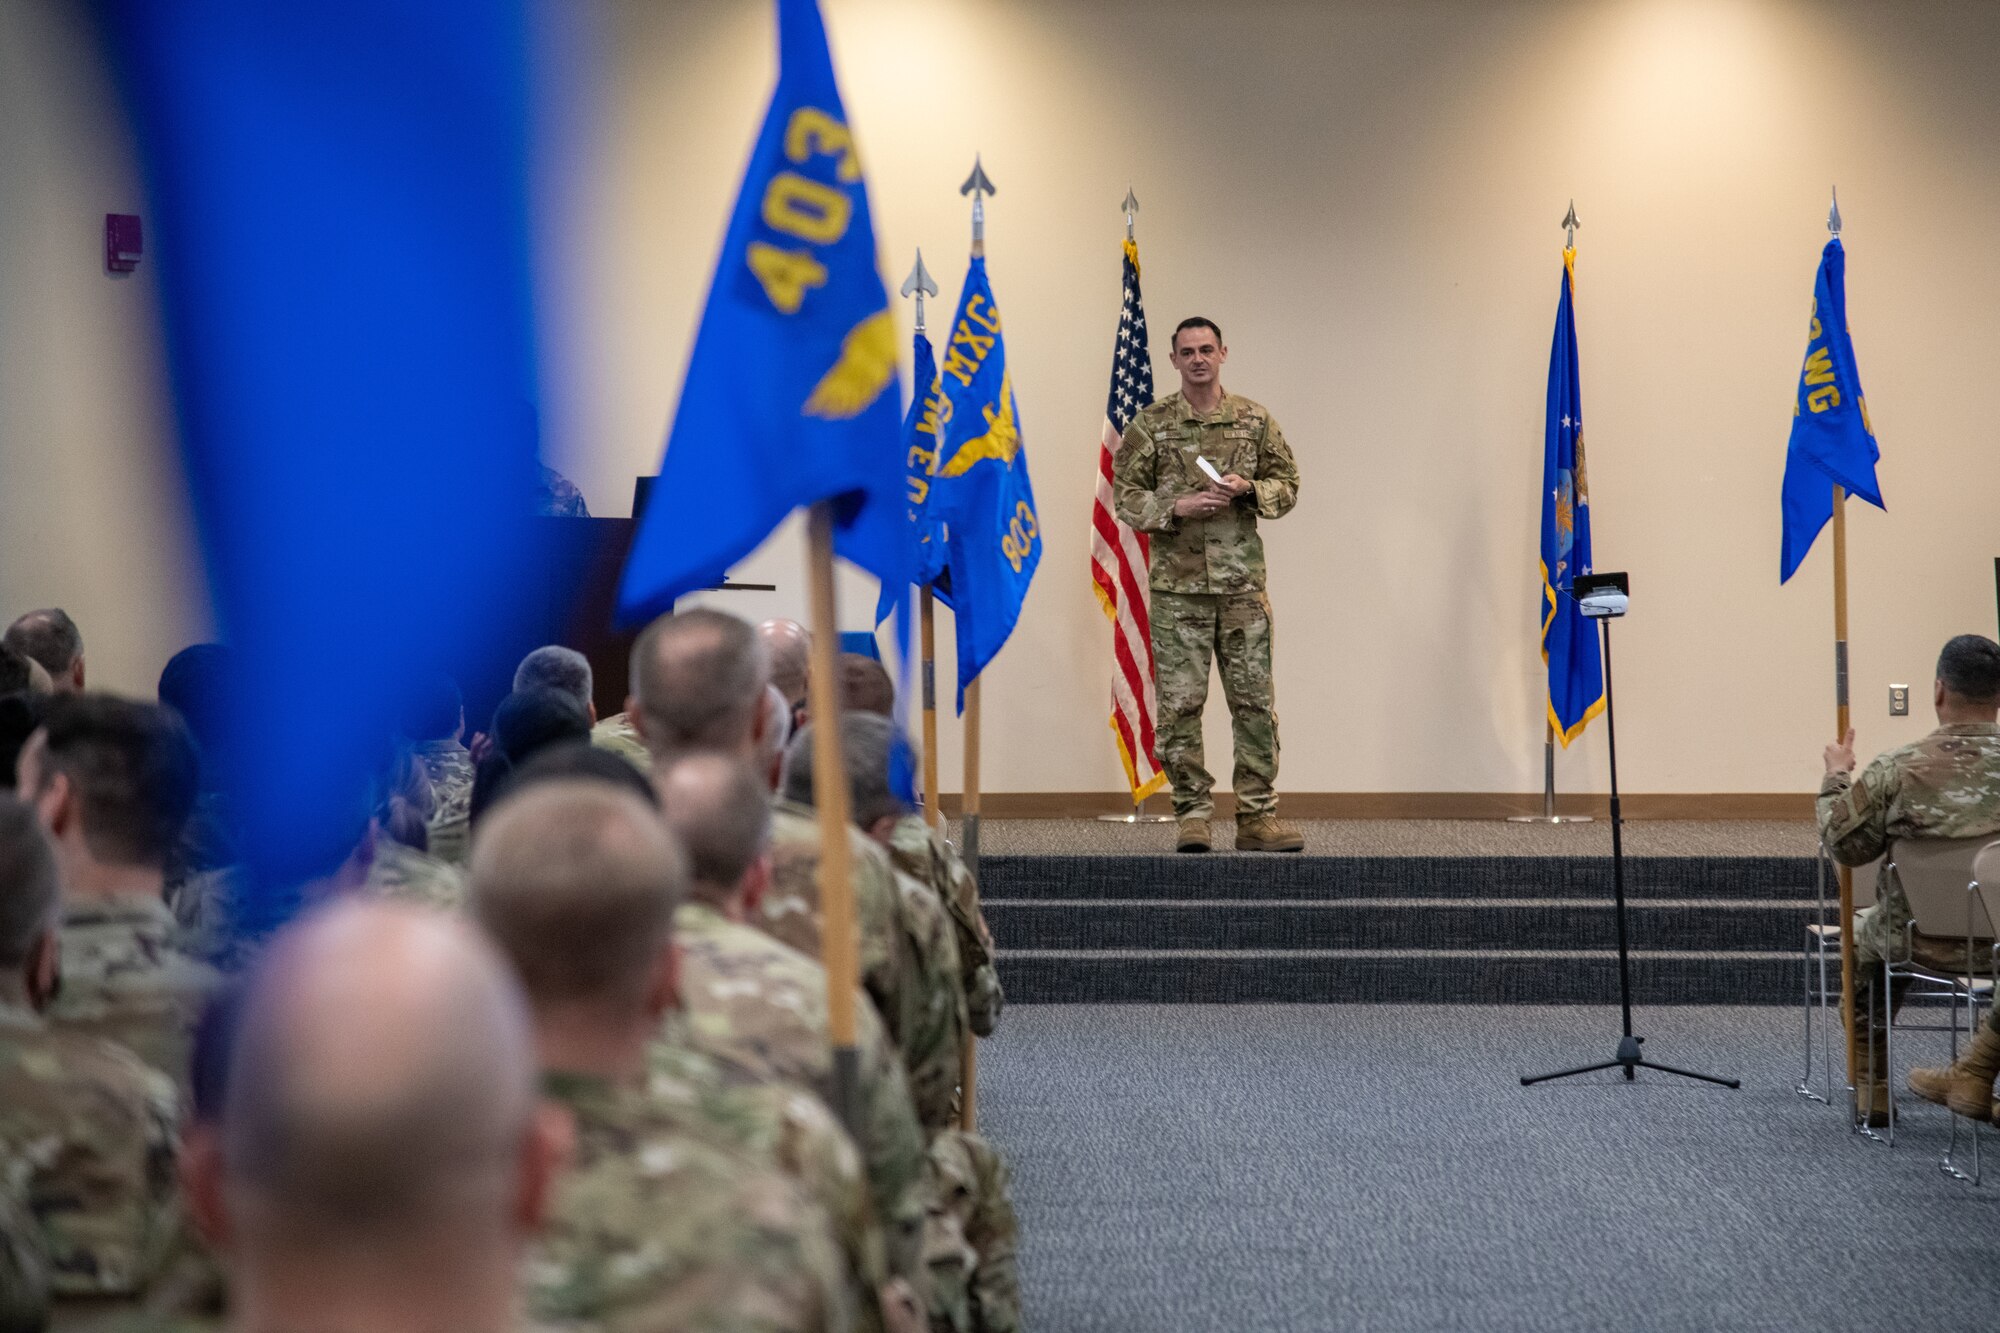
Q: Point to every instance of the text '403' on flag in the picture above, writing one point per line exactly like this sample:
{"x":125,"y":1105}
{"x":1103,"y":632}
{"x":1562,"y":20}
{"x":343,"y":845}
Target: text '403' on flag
{"x":982,"y":495}
{"x":1569,"y":641}
{"x":791,"y":394}
{"x":1832,"y":442}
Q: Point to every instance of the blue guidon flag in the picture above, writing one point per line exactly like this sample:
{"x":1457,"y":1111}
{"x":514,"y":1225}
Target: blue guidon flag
{"x":1569,"y":643}
{"x":1833,"y":442}
{"x":791,"y":395}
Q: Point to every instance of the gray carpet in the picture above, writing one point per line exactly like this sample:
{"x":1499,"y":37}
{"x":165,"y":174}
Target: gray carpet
{"x":1252,"y":1168}
{"x":1416,"y":837}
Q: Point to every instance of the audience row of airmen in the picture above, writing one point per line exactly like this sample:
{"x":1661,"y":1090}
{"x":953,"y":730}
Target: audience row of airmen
{"x":548,"y":1050}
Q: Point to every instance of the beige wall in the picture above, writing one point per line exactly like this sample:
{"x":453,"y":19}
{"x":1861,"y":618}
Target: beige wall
{"x":91,"y":510}
{"x":1365,"y":196}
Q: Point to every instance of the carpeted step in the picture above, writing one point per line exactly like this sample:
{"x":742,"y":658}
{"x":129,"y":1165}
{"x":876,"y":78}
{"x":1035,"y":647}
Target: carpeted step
{"x":1703,"y":924}
{"x":1260,"y":877}
{"x":1395,"y":976}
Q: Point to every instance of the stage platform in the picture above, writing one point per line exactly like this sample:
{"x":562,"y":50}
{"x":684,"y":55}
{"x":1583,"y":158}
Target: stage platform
{"x":1400,"y":911}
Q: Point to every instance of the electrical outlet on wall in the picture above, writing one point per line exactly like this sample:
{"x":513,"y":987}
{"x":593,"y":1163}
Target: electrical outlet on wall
{"x":1899,"y":701}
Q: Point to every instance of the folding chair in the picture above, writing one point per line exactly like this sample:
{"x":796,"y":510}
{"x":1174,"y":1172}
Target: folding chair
{"x":1936,"y":876}
{"x":1982,"y":909}
{"x":1822,"y":987}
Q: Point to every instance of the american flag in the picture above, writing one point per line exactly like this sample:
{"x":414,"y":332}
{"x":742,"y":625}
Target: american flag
{"x":1118,"y":554}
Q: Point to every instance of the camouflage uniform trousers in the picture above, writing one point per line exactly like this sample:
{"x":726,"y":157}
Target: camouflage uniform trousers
{"x":1235,"y":630}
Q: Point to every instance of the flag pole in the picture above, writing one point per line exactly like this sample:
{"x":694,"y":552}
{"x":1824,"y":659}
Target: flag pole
{"x":978,"y":186}
{"x":1569,"y":225}
{"x":839,"y":947}
{"x":1842,"y":718}
{"x":1138,"y":813}
{"x":920,"y":284}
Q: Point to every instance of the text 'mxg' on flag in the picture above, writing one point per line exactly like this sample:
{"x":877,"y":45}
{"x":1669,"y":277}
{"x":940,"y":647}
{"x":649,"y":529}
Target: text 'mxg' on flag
{"x":982,"y":494}
{"x":1832,"y":442}
{"x":791,"y":393}
{"x":1569,"y":642}
{"x":925,"y":544}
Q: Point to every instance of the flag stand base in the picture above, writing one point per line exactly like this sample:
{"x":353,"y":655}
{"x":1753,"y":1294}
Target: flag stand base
{"x":1137,"y":815}
{"x":1549,"y":815}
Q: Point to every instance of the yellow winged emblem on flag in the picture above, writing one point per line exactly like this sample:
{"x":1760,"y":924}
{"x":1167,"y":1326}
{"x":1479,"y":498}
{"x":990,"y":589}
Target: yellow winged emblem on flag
{"x":1001,"y":440}
{"x":867,"y":365}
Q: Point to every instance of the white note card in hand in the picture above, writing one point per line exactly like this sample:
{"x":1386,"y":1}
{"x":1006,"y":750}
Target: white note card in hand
{"x":1208,"y":468}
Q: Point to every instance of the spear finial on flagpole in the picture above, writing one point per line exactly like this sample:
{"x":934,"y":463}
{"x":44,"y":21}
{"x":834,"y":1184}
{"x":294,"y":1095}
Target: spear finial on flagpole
{"x":1833,"y":215}
{"x":1131,"y":207}
{"x":978,"y":186}
{"x":920,"y":284}
{"x":1569,"y":226}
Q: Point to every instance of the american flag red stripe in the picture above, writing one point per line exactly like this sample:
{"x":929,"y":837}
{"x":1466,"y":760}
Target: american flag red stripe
{"x":1118,"y":554}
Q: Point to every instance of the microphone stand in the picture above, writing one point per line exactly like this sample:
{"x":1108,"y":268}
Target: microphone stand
{"x":1629,"y":1057}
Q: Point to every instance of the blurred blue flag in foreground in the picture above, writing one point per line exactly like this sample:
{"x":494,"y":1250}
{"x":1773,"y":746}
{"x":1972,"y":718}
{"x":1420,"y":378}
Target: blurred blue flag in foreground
{"x":1569,"y":642}
{"x":1832,"y":442}
{"x":791,"y":395}
{"x":340,"y":188}
{"x":982,"y":496}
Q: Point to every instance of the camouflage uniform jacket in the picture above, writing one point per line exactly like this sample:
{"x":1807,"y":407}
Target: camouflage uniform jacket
{"x":934,"y":1036}
{"x":919,"y":852}
{"x":1155,"y":465}
{"x":404,"y":874}
{"x":126,"y":979}
{"x":790,"y":911}
{"x":449,"y":766}
{"x":617,"y":734}
{"x":24,"y":1267}
{"x":652,"y":1228}
{"x":1946,"y":785}
{"x":783,"y":1127}
{"x":87,"y":1139}
{"x":761,"y":1006}
{"x":973,"y":1236}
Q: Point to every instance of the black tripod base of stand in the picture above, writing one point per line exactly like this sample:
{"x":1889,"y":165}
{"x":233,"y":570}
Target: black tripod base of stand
{"x":1630,"y":1059}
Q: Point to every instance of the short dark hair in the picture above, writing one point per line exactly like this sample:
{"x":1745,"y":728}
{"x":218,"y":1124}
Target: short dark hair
{"x":201,"y":683}
{"x":865,"y":685}
{"x":1969,"y":666}
{"x":529,"y":720}
{"x":721,"y":811}
{"x":576,"y":760}
{"x":699,"y":678}
{"x":16,"y":676}
{"x":134,"y":770}
{"x":1194,"y":322}
{"x":433,"y":709}
{"x":20,"y":717}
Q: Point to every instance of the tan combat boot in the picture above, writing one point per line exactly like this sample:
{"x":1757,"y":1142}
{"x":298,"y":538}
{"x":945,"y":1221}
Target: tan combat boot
{"x":1966,"y":1087}
{"x":1193,"y":835}
{"x":1267,"y":833}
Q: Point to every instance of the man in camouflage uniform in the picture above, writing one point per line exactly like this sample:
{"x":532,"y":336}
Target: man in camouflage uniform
{"x":1946,"y":785}
{"x":761,"y":1005}
{"x":381,"y":1159}
{"x":652,"y":1227}
{"x":1207,"y":577}
{"x":113,"y":782}
{"x":87,"y":1147}
{"x":917,"y":851}
{"x":434,"y":726}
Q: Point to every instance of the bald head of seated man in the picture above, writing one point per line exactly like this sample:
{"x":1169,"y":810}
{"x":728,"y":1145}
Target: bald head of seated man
{"x":653,"y":1226}
{"x":790,"y":646}
{"x":380,"y":1161}
{"x":698,"y":683}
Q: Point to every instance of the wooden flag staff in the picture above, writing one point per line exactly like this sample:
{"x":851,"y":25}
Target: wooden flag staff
{"x":839,"y":943}
{"x":1842,"y":718}
{"x":919,"y":285}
